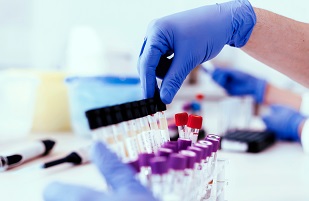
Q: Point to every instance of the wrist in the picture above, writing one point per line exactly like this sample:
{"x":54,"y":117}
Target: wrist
{"x":275,"y":95}
{"x":304,"y":105}
{"x":243,"y":22}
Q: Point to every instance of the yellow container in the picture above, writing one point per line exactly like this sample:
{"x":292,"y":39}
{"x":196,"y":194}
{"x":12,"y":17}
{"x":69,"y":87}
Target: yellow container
{"x":52,"y":110}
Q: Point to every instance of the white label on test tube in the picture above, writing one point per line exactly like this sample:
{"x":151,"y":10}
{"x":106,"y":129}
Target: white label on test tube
{"x":131,"y":148}
{"x":193,"y":138}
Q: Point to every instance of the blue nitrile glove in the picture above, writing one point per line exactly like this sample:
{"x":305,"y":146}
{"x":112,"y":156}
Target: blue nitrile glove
{"x":194,"y":36}
{"x":118,"y":176}
{"x":284,"y":121}
{"x":237,"y":83}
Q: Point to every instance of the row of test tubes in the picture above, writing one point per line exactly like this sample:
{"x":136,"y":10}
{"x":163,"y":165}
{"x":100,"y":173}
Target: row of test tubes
{"x":130,"y":128}
{"x":185,"y":169}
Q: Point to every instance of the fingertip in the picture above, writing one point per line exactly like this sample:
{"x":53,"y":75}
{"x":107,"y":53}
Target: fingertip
{"x":166,"y":96}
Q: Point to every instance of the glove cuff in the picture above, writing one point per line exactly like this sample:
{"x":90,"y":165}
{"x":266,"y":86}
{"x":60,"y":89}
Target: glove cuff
{"x":244,"y":19}
{"x":260,"y":91}
{"x":305,"y":136}
{"x":297,"y":120}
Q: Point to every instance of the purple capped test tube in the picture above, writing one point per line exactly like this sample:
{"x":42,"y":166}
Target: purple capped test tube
{"x":214,"y":155}
{"x":189,"y":174}
{"x":183,"y":144}
{"x":145,"y":170}
{"x":198,"y":171}
{"x":177,"y":180}
{"x":159,"y":170}
{"x":206,"y":164}
{"x":215,"y":147}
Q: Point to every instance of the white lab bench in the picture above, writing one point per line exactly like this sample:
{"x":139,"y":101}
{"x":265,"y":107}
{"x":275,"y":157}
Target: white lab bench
{"x":278,"y":173}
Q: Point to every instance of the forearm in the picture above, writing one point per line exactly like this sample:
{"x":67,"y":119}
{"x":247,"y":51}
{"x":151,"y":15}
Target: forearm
{"x":281,"y":43}
{"x":275,"y":95}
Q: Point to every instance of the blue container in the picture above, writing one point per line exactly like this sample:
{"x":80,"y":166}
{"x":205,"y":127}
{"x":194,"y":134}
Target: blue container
{"x":87,"y":93}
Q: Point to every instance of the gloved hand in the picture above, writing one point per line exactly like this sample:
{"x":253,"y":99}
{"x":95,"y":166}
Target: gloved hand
{"x":194,"y":36}
{"x":284,"y":121}
{"x":237,"y":83}
{"x":117,"y":175}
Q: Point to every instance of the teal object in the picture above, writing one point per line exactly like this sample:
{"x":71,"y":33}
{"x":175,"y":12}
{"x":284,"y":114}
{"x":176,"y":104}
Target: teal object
{"x":87,"y":93}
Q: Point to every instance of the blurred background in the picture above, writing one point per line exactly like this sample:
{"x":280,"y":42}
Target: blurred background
{"x":44,"y":43}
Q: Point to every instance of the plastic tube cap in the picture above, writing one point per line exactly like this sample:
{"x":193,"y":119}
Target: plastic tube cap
{"x":198,"y":153}
{"x":191,"y":158}
{"x":143,"y":108}
{"x":126,"y":111}
{"x":171,"y":146}
{"x":181,"y":119}
{"x":195,"y":121}
{"x":166,"y":152}
{"x":151,"y":107}
{"x":217,"y":137}
{"x":183,"y":144}
{"x":177,"y":162}
{"x":174,"y":144}
{"x":209,"y":144}
{"x":204,"y":148}
{"x":214,"y":142}
{"x":144,"y":159}
{"x":135,"y":110}
{"x":159,"y":165}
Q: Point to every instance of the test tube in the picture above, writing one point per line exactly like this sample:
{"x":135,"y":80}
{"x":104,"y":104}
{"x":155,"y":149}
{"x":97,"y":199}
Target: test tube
{"x":145,"y":136}
{"x":139,"y":125}
{"x":189,"y":173}
{"x":204,"y":162}
{"x":221,"y":180}
{"x":210,"y":158}
{"x":181,"y":120}
{"x":145,"y":169}
{"x":176,"y":181}
{"x":113,"y":114}
{"x":152,"y":120}
{"x":104,"y":130}
{"x":129,"y":129}
{"x":159,"y":176}
{"x":198,"y":170}
{"x":214,"y":148}
{"x":211,"y":188}
{"x":183,"y":144}
{"x":193,"y":127}
{"x":161,"y":108}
